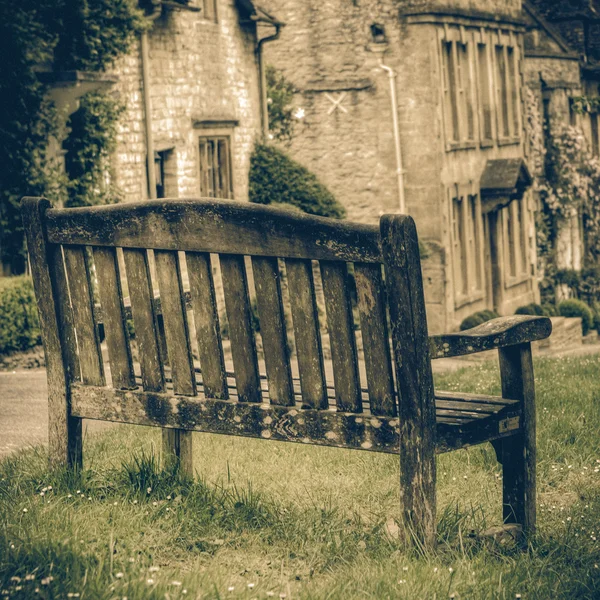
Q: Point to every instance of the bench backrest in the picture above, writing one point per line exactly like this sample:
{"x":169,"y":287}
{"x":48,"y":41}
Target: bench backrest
{"x":83,"y":245}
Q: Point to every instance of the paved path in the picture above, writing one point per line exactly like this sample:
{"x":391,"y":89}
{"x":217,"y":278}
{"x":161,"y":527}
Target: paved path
{"x":24,"y":410}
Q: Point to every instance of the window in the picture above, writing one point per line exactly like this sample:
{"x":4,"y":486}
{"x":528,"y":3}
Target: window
{"x":209,"y":10}
{"x":467,"y":247}
{"x":516,"y":239}
{"x":215,"y":167}
{"x":594,"y":126}
{"x":165,"y":174}
{"x":485,"y":97}
{"x":507,"y":92}
{"x":458,"y":92}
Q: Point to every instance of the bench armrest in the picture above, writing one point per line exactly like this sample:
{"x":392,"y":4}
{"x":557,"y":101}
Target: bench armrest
{"x":496,"y":333}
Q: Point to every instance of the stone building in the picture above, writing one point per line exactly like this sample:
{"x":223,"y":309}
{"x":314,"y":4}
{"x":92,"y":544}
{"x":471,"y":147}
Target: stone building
{"x":193,"y":101}
{"x":416,"y":106}
{"x":562,"y":69}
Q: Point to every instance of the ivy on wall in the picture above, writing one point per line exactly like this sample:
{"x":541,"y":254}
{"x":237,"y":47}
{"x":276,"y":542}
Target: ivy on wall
{"x":280,"y":94}
{"x":46,"y":35}
{"x":88,"y":149}
{"x":567,"y":179}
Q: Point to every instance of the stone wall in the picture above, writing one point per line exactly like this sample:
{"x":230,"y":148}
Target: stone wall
{"x":199,"y":71}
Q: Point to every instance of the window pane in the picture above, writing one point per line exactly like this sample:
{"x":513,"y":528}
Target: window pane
{"x":502,"y":91}
{"x":484,"y":91}
{"x":511,"y":241}
{"x":451,"y":100}
{"x":594,"y":123}
{"x":465,"y":84}
{"x":477,"y":246}
{"x":215,"y":167}
{"x":513,"y":89}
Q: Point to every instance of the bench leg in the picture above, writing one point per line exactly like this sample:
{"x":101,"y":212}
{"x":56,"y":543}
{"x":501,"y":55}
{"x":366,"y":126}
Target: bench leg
{"x":417,"y":489}
{"x":518,"y":452}
{"x":177,"y":445}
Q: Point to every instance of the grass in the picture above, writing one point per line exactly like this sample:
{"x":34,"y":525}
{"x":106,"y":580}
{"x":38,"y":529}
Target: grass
{"x":284,"y":520}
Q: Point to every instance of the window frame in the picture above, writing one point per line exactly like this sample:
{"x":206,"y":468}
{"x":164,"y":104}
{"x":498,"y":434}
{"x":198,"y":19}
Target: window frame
{"x":516,"y":246}
{"x":212,"y":15}
{"x":509,"y":88}
{"x":215,"y":136}
{"x":489,"y":97}
{"x":467,"y":253}
{"x":458,"y":102}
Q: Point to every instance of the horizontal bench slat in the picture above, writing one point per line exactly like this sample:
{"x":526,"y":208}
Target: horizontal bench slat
{"x":283,"y":423}
{"x":221,"y":227}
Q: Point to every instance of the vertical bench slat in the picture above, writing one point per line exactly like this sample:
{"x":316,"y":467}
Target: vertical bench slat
{"x":82,"y":301}
{"x":374,"y":329}
{"x":272,"y":329}
{"x":64,"y":312}
{"x":115,"y":327}
{"x":306,"y":333}
{"x":206,"y":320}
{"x":239,"y":317}
{"x":172,"y":301}
{"x":340,"y":325}
{"x":144,"y":318}
{"x":177,"y":443}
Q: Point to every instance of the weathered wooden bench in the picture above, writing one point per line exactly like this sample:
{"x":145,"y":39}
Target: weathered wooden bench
{"x":396,"y":411}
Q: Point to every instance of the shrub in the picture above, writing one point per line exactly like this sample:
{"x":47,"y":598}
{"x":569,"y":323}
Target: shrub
{"x":275,"y":178}
{"x":549,"y":310}
{"x":19,"y":322}
{"x":577,"y":308}
{"x":478,"y":318}
{"x":530,"y":309}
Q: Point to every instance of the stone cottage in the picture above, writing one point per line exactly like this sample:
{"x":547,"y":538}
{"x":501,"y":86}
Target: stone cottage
{"x":192,"y":90}
{"x":562,"y":70}
{"x":416,"y":106}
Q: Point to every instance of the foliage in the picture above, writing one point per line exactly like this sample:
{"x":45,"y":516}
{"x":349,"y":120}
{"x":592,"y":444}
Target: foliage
{"x":95,"y":32}
{"x":38,"y":35}
{"x":19,"y":321}
{"x":275,"y":178}
{"x":88,"y":148}
{"x":577,"y":308}
{"x":478,"y":318}
{"x":549,"y":310}
{"x":530,"y":309}
{"x":280,"y":93}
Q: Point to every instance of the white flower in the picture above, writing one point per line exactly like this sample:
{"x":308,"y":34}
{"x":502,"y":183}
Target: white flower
{"x":119,"y":575}
{"x":299,"y":113}
{"x":24,"y":510}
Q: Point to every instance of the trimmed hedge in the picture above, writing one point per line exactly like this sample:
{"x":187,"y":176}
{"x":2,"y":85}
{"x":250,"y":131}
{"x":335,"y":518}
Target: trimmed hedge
{"x":478,"y":318}
{"x":530,"y":309}
{"x":275,"y":178}
{"x":19,"y":321}
{"x":577,"y":308}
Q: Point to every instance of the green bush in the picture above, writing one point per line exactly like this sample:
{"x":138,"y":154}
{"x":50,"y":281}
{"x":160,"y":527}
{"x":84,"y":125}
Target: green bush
{"x":478,"y":318}
{"x":530,"y":309}
{"x":577,"y":308}
{"x":275,"y":179}
{"x":19,"y":322}
{"x":549,"y":310}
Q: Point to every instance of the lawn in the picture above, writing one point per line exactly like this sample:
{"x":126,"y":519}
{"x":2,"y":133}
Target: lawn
{"x":267,"y":519}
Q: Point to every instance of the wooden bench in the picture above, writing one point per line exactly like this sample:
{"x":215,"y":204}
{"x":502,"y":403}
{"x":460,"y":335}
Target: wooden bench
{"x":395,"y":412}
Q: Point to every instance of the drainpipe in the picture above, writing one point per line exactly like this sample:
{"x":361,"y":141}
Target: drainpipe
{"x":145,"y":58}
{"x":263,"y":76}
{"x":394,"y":107}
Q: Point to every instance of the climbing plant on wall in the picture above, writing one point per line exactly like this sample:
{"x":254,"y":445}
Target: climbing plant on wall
{"x":280,"y":94}
{"x":88,"y":149}
{"x":37,"y":35}
{"x":567,"y":179}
